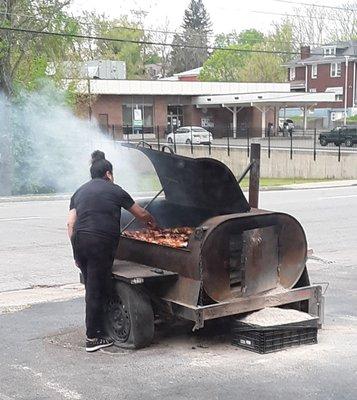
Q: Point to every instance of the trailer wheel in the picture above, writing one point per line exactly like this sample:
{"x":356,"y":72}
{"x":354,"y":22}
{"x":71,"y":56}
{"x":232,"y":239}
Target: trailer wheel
{"x":129,"y":317}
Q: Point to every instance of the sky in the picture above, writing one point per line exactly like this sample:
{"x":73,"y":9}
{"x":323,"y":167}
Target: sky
{"x":226,"y":15}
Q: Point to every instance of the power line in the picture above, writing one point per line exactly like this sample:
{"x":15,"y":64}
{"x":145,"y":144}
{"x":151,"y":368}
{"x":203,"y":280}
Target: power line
{"x":143,"y":42}
{"x":315,"y":5}
{"x":254,"y":12}
{"x":142,"y":29}
{"x":301,"y":16}
{"x":237,"y":9}
{"x":250,"y":41}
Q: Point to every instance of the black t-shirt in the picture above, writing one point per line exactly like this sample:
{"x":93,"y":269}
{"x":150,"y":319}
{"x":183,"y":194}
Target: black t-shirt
{"x":98,"y":205}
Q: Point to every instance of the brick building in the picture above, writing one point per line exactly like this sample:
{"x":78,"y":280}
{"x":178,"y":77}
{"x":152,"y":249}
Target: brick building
{"x":132,"y":107}
{"x":327,"y":69}
{"x":191,"y":75}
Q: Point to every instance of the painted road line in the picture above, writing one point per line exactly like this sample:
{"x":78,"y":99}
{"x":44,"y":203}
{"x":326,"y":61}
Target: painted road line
{"x":338,"y":197}
{"x":17,"y":300}
{"x":18,"y":219}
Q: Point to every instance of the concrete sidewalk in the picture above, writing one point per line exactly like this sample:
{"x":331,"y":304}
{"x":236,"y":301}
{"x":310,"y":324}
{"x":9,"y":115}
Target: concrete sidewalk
{"x":320,"y":185}
{"x":313,"y":185}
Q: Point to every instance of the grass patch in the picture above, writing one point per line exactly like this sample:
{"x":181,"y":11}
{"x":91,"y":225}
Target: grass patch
{"x":352,"y":120}
{"x":150,"y":182}
{"x":271,"y":182}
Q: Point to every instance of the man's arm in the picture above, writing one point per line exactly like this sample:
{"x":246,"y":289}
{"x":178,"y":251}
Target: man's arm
{"x":72,"y":217}
{"x":142,"y":214}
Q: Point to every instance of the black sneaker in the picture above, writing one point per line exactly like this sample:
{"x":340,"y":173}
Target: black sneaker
{"x":98,"y":343}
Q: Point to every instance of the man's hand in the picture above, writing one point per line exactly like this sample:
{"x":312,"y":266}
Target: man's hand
{"x":143,"y":215}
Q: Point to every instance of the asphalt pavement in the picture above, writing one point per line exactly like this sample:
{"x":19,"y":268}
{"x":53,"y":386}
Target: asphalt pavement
{"x":42,"y":352}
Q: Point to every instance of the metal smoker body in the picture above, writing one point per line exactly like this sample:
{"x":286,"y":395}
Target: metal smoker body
{"x":238,"y":259}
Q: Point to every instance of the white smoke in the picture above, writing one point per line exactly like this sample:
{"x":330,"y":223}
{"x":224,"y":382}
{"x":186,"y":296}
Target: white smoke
{"x":51,"y":147}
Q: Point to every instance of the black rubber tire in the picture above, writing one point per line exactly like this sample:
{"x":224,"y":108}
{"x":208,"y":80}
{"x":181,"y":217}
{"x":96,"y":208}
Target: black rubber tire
{"x":169,"y":140}
{"x":349,"y":142}
{"x":323,"y":142}
{"x":129,"y":317}
{"x":188,"y":141}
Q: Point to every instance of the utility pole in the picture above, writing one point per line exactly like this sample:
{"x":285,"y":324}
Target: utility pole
{"x":346,"y":89}
{"x":254,"y":175}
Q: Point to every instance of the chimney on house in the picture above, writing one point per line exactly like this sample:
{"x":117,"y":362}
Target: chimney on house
{"x":305,"y":52}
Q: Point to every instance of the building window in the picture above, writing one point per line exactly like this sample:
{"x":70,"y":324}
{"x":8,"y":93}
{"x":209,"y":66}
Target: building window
{"x":329,"y":51}
{"x":335,"y":70}
{"x":137,"y":118}
{"x":314,"y":71}
{"x":338,"y":97}
{"x":292,"y":73}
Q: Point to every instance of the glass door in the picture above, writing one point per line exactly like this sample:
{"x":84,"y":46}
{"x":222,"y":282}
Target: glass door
{"x":174,"y":118}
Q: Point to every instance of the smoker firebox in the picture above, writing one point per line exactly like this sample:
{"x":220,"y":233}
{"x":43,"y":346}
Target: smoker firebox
{"x":237,"y":259}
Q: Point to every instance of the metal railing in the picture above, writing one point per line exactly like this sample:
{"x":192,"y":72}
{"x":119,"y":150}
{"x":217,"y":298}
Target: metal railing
{"x":225,"y":138}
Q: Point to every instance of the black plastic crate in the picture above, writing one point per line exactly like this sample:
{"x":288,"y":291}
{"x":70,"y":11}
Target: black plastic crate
{"x":273,"y":338}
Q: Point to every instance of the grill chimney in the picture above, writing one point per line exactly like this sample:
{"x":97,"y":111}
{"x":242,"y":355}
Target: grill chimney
{"x":305,"y":52}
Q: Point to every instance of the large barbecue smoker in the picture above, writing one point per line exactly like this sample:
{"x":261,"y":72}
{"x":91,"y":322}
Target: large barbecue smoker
{"x":238,"y":259}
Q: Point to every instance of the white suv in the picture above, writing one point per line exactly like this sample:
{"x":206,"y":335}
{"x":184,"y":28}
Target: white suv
{"x":190,"y":134}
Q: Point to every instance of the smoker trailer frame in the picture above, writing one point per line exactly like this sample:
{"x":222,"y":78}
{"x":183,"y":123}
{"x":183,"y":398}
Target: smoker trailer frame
{"x":194,"y":283}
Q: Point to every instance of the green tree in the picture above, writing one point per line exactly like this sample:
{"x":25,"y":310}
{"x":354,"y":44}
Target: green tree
{"x":126,"y":27}
{"x":268,"y":67}
{"x":226,"y":64}
{"x":24,"y":56}
{"x":250,"y":37}
{"x":196,"y":28}
{"x":226,"y":39}
{"x":263,"y":67}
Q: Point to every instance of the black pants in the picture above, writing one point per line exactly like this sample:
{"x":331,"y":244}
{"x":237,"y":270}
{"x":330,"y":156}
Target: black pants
{"x":94,"y":256}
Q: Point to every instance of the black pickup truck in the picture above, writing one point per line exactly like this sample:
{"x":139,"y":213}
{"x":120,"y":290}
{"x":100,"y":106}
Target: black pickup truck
{"x":346,"y":134}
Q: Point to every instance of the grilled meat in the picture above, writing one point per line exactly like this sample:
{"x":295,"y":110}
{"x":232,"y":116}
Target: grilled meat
{"x":172,"y":237}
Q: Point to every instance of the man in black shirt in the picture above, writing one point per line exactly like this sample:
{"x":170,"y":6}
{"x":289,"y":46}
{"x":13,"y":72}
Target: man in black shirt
{"x":94,"y":230}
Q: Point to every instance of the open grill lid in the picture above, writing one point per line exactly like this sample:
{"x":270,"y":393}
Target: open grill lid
{"x":197,"y":182}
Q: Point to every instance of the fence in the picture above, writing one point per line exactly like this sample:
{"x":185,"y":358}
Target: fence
{"x":225,"y":138}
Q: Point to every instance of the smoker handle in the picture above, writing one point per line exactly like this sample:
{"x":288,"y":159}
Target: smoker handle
{"x":143,"y":143}
{"x":147,"y":205}
{"x":167,"y":147}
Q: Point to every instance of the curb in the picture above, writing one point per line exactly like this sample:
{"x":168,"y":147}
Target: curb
{"x":275,"y":188}
{"x":331,"y":185}
{"x":54,"y":197}
{"x":22,"y":199}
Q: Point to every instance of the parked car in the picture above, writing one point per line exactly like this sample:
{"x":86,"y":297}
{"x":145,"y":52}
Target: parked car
{"x":341,"y":134}
{"x":190,"y":134}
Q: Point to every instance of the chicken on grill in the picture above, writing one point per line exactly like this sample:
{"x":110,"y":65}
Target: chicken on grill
{"x":172,"y":237}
